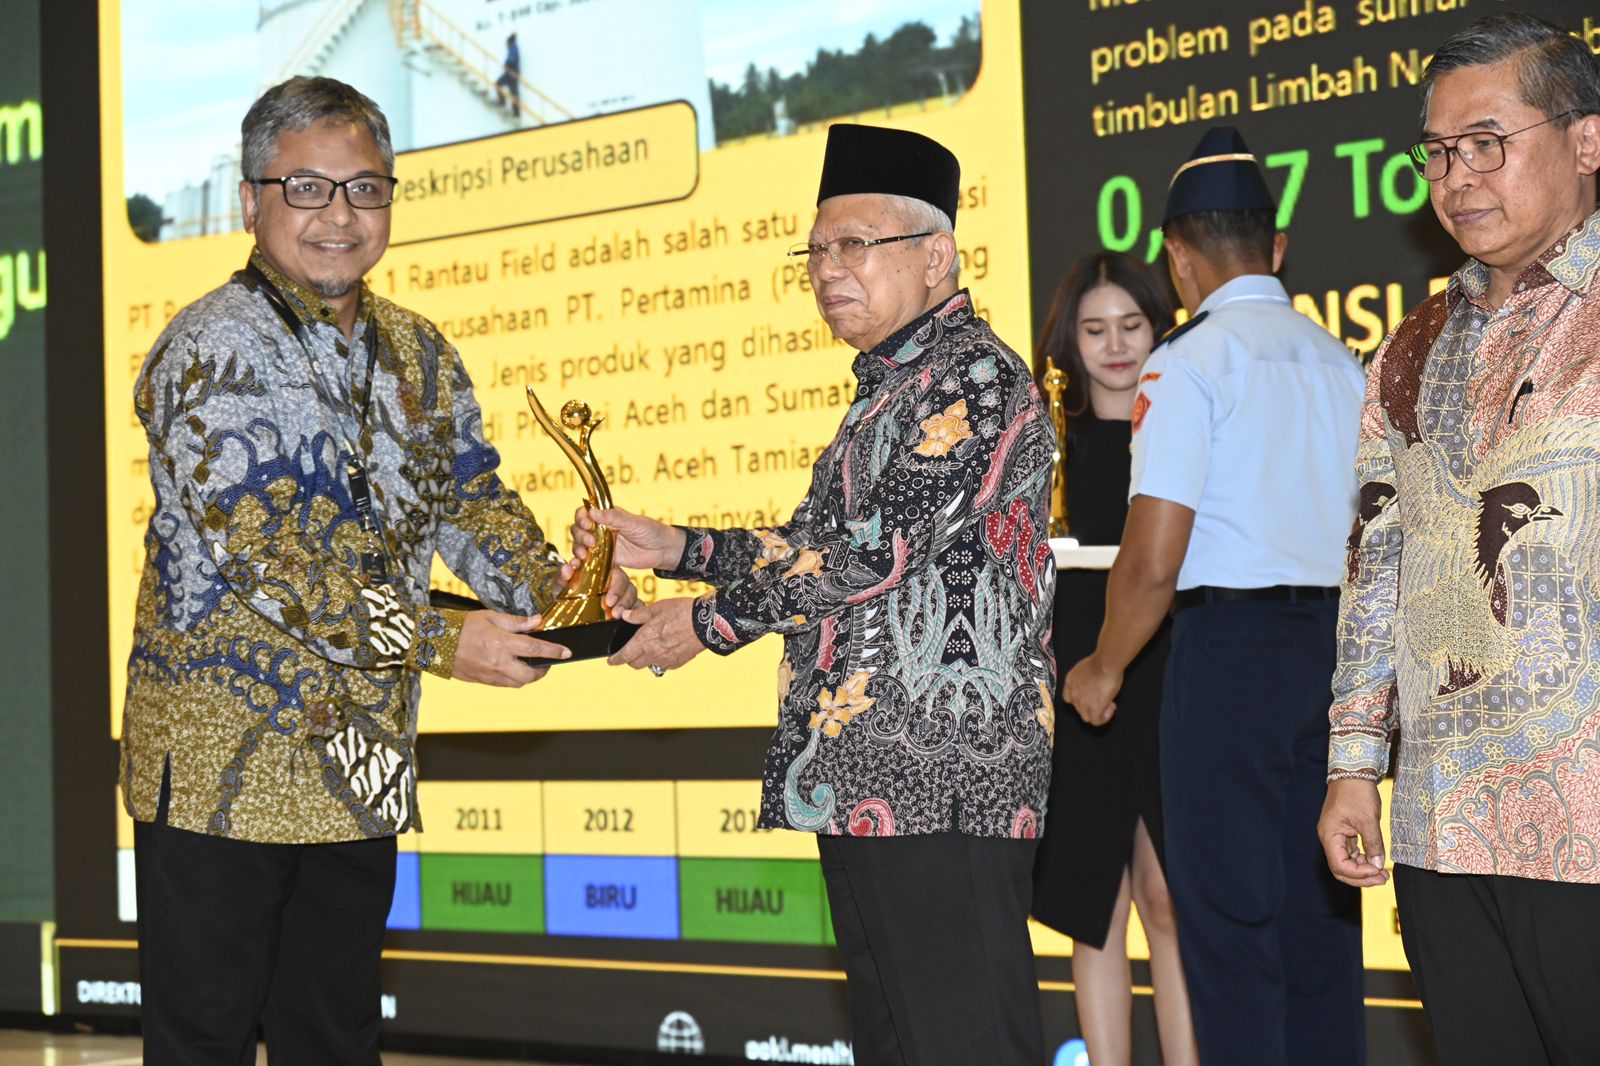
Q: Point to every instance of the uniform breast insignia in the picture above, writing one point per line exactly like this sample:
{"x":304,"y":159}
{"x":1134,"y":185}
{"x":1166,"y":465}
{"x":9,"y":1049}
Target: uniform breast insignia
{"x":1177,"y":331}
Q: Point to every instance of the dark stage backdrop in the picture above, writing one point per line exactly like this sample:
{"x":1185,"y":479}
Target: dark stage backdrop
{"x":1119,"y":91}
{"x":26,"y":872}
{"x":592,"y":886}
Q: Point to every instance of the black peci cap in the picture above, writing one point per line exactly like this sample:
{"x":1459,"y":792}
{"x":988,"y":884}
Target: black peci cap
{"x":1221,"y":175}
{"x":876,"y":159}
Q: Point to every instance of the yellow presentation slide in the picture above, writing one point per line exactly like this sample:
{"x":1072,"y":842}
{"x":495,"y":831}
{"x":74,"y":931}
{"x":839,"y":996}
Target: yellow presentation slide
{"x":596,"y":198}
{"x":604,"y":219}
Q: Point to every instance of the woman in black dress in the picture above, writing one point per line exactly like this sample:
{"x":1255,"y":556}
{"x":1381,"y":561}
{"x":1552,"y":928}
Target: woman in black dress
{"x":1102,"y":841}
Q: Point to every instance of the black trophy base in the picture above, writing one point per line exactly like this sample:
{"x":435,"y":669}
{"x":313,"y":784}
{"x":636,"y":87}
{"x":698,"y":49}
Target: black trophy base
{"x":592,"y":641}
{"x":595,"y":640}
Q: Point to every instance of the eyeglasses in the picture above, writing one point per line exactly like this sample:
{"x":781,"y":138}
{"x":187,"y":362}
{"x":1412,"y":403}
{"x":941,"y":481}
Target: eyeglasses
{"x":311,"y":193}
{"x":846,"y":251}
{"x":1484,"y":153}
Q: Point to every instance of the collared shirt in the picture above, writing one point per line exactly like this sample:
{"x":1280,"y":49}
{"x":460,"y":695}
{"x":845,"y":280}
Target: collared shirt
{"x":1470,"y":621}
{"x":913,"y":587}
{"x":1248,"y":418}
{"x":276,"y":677}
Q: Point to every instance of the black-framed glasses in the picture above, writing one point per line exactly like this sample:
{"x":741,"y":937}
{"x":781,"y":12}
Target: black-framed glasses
{"x":846,"y":251}
{"x":1483,"y":152}
{"x":310,"y":192}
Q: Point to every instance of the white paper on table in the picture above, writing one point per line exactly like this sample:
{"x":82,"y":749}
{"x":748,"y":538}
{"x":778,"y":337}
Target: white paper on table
{"x":1070,"y":555}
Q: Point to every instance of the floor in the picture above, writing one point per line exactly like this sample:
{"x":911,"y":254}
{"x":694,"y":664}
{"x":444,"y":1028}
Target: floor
{"x":60,"y":1049}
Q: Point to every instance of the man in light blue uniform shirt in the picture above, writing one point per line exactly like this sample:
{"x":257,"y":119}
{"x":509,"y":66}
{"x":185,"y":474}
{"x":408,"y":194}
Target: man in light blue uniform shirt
{"x":1241,"y":499}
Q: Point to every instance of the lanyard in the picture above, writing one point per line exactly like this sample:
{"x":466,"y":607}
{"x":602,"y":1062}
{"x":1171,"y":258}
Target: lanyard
{"x":373,"y":563}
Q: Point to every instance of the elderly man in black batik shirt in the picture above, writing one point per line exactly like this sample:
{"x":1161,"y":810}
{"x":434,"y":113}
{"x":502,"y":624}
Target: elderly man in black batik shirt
{"x":913,"y":588}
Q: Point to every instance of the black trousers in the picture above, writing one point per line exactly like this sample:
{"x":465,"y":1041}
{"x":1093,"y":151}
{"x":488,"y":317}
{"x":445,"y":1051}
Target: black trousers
{"x":234,"y":934}
{"x":933,"y":932}
{"x":1508,"y":967}
{"x":1271,"y":942}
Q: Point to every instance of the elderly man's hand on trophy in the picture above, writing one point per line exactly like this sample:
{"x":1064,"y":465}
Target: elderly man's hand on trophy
{"x":641,"y":543}
{"x":665,"y":640}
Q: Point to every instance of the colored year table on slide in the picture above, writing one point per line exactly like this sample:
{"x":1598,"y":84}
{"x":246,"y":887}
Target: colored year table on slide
{"x":657,"y":860}
{"x":638,"y":859}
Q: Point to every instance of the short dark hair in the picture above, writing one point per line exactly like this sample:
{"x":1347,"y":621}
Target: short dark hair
{"x":1556,"y":72}
{"x":298,"y":104}
{"x":1228,"y":236}
{"x":1059,"y":338}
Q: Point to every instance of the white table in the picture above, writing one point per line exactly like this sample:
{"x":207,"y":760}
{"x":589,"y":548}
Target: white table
{"x":1070,"y":555}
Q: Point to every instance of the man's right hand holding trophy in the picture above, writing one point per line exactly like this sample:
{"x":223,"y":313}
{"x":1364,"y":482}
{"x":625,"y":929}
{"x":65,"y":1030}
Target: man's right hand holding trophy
{"x":666,"y":638}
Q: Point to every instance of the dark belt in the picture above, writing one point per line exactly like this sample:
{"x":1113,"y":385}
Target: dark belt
{"x":1194,"y":597}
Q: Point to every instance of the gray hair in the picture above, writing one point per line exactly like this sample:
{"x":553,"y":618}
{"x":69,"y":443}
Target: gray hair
{"x":1556,"y":73}
{"x":298,"y":104}
{"x":920,"y":216}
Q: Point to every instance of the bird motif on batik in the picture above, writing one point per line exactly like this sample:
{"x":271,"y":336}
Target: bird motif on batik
{"x":1458,"y":624}
{"x":1375,"y":496}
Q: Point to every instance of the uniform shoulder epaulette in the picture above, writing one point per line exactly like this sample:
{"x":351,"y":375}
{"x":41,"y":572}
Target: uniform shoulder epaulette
{"x":1177,"y":331}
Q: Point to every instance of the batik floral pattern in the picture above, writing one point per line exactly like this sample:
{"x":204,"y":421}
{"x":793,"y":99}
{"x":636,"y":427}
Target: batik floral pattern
{"x":913,"y":588}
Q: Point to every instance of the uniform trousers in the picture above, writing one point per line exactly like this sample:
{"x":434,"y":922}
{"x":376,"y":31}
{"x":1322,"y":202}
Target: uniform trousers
{"x":1271,"y":942}
{"x":233,"y":935}
{"x":1508,"y":967}
{"x":933,"y":934}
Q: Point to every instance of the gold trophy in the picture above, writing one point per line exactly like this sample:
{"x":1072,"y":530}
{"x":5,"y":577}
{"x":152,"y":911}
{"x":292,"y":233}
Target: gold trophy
{"x":578,"y":619}
{"x":1055,"y":384}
